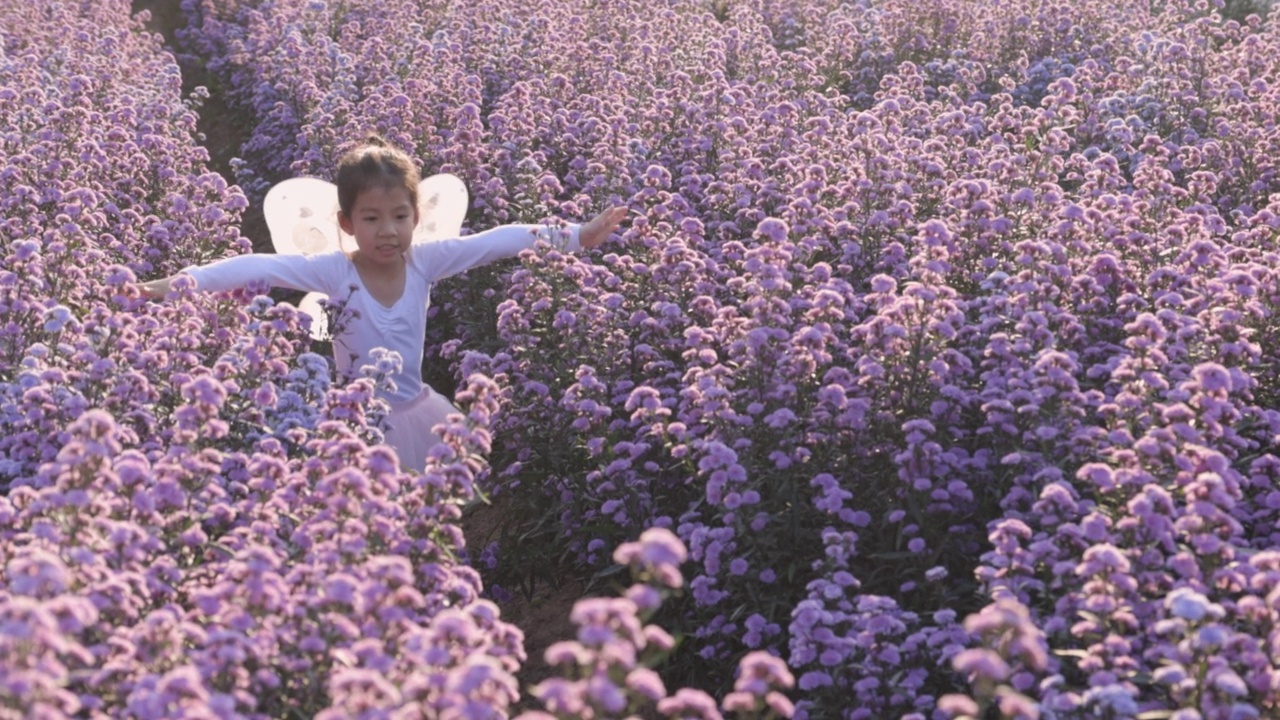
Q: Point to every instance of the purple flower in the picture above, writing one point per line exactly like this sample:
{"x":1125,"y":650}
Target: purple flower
{"x":958,"y":705}
{"x":560,"y":696}
{"x":1213,"y":378}
{"x":647,"y":683}
{"x":1190,"y":605}
{"x":56,"y":318}
{"x":759,"y":666}
{"x":981,"y":663}
{"x":689,"y":704}
{"x":773,"y":229}
{"x":1016,"y":705}
{"x":605,"y":694}
{"x":38,"y":573}
{"x":658,"y":551}
{"x":646,"y":597}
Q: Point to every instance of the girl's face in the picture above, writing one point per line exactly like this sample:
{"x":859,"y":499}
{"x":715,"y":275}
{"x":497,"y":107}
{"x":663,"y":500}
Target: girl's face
{"x":382,"y":221}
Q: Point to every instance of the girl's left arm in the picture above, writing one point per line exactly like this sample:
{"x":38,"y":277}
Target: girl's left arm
{"x":443,"y":258}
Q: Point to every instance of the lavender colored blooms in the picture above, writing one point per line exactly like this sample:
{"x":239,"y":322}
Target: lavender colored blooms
{"x":198,"y":519}
{"x":936,"y":362}
{"x":607,"y":671}
{"x":658,"y":552}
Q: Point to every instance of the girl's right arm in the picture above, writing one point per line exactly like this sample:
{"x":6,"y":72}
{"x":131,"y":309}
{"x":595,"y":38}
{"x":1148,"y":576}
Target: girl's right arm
{"x":309,"y":273}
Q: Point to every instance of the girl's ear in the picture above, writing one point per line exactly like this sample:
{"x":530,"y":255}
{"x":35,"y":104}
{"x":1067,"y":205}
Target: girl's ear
{"x":344,"y":222}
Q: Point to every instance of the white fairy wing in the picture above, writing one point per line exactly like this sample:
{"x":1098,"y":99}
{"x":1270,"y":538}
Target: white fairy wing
{"x":310,"y":304}
{"x":302,"y":217}
{"x":442,"y":205}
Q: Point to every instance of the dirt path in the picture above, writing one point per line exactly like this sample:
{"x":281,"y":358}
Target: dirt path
{"x":224,"y":132}
{"x":544,"y":617}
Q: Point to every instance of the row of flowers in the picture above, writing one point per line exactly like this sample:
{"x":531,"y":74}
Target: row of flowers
{"x":197,"y":518}
{"x":920,"y":308}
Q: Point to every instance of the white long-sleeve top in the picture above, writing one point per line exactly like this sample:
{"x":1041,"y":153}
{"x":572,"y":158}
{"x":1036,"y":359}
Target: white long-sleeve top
{"x":402,"y":327}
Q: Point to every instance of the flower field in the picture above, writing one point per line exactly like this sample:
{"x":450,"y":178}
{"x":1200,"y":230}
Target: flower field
{"x":935,"y":374}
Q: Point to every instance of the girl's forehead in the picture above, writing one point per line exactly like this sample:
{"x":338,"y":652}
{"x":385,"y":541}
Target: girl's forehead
{"x":382,"y":196}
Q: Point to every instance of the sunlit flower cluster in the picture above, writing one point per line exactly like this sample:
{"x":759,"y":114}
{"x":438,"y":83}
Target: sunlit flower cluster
{"x":196,"y":516}
{"x":920,"y":307}
{"x":938,"y":356}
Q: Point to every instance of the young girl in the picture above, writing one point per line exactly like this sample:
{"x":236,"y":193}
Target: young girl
{"x":391,"y":277}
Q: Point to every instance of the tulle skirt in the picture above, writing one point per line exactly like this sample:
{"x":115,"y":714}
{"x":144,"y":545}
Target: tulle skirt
{"x":409,"y":427}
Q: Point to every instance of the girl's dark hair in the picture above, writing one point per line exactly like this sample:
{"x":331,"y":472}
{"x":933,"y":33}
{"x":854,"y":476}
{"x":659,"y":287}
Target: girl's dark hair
{"x":374,"y":163}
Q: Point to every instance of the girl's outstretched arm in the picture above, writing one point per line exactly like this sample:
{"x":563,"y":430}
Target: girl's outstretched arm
{"x":308,"y":273}
{"x":440,"y":259}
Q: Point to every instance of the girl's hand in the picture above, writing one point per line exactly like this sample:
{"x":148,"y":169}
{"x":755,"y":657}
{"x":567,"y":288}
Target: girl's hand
{"x":597,"y":230}
{"x":156,"y":289}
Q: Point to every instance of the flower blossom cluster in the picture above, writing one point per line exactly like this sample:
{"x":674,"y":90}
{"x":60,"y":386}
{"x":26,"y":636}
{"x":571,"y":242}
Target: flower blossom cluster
{"x":607,"y":670}
{"x":920,"y":308}
{"x":943,"y":337}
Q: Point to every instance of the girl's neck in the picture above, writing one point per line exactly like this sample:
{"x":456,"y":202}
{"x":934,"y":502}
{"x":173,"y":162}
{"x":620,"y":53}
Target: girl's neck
{"x":385,"y":283}
{"x":378,"y":269}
